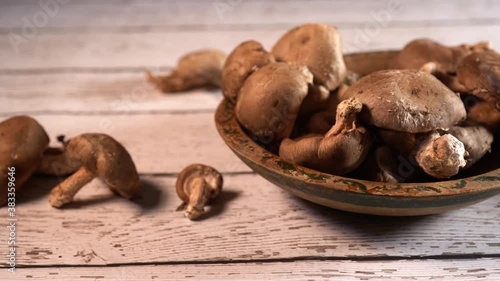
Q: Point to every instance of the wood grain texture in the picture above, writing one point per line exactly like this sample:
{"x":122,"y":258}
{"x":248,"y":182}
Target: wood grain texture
{"x":94,"y":16}
{"x":252,"y":220}
{"x":82,"y":71}
{"x":459,"y":270}
{"x":158,"y":49}
{"x":158,"y":143}
{"x":108,"y":93}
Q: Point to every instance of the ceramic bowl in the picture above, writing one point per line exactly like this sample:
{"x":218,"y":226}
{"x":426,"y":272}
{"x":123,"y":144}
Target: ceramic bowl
{"x":360,"y":196}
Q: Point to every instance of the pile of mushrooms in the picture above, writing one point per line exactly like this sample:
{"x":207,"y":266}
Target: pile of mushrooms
{"x":437,"y":107}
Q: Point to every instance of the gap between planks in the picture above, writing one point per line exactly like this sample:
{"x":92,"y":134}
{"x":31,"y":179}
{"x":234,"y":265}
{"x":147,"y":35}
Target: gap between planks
{"x":460,"y":270}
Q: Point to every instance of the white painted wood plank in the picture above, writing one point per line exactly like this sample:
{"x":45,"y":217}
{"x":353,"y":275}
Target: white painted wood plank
{"x":153,"y":50}
{"x":95,"y":93}
{"x":121,"y":15}
{"x":252,"y":220}
{"x":460,"y":270}
{"x":158,"y":143}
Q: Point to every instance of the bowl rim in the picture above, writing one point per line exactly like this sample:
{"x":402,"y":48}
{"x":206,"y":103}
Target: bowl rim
{"x":247,"y":149}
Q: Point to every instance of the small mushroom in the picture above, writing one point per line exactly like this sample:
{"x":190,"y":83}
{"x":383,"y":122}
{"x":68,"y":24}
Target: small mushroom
{"x":22,"y":143}
{"x":95,"y":155}
{"x":196,"y":185}
{"x":441,"y":156}
{"x":194,"y":70}
{"x":477,"y":141}
{"x":243,"y":61}
{"x":340,"y":151}
{"x":319,"y":47}
{"x":479,"y":73}
{"x":270,"y":99}
{"x":411,"y":101}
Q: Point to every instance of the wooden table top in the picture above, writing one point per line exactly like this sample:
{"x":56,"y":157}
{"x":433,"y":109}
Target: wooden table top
{"x":79,"y":67}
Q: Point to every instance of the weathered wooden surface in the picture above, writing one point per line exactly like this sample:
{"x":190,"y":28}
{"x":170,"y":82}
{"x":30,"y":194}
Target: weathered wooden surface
{"x":94,"y":93}
{"x":83,"y":71}
{"x":122,"y":15}
{"x":156,"y":49}
{"x":253,"y":220}
{"x":460,"y":270}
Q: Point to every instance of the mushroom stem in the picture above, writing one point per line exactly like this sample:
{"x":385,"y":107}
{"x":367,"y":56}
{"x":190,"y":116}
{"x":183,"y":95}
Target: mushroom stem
{"x":441,"y":156}
{"x":345,"y":120}
{"x":197,"y":199}
{"x":340,"y":151}
{"x":65,"y":191}
{"x":196,"y":185}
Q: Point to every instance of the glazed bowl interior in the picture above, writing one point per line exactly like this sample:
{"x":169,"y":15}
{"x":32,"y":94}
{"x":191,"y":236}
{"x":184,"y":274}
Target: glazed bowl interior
{"x":378,"y":198}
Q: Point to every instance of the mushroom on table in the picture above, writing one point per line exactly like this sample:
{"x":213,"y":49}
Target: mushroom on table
{"x":197,"y":69}
{"x":22,"y":144}
{"x":196,"y":185}
{"x":86,"y":157}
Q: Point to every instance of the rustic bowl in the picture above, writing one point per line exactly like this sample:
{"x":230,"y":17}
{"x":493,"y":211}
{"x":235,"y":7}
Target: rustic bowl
{"x":360,"y":196}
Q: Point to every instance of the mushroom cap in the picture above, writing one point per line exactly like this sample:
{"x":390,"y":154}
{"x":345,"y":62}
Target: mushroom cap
{"x":318,"y":46}
{"x":22,"y":143}
{"x":242,"y":61}
{"x":406,"y":100}
{"x":203,"y":65}
{"x":421,"y":51}
{"x":479,"y":72}
{"x":210,"y":175}
{"x":107,"y":159}
{"x":270,"y":100}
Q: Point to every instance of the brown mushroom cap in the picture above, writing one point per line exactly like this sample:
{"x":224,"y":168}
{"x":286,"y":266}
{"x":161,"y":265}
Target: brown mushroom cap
{"x":421,"y":51}
{"x":270,"y":99}
{"x":406,"y":100}
{"x":318,"y":46}
{"x":243,"y":60}
{"x":22,"y":143}
{"x":479,"y":73}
